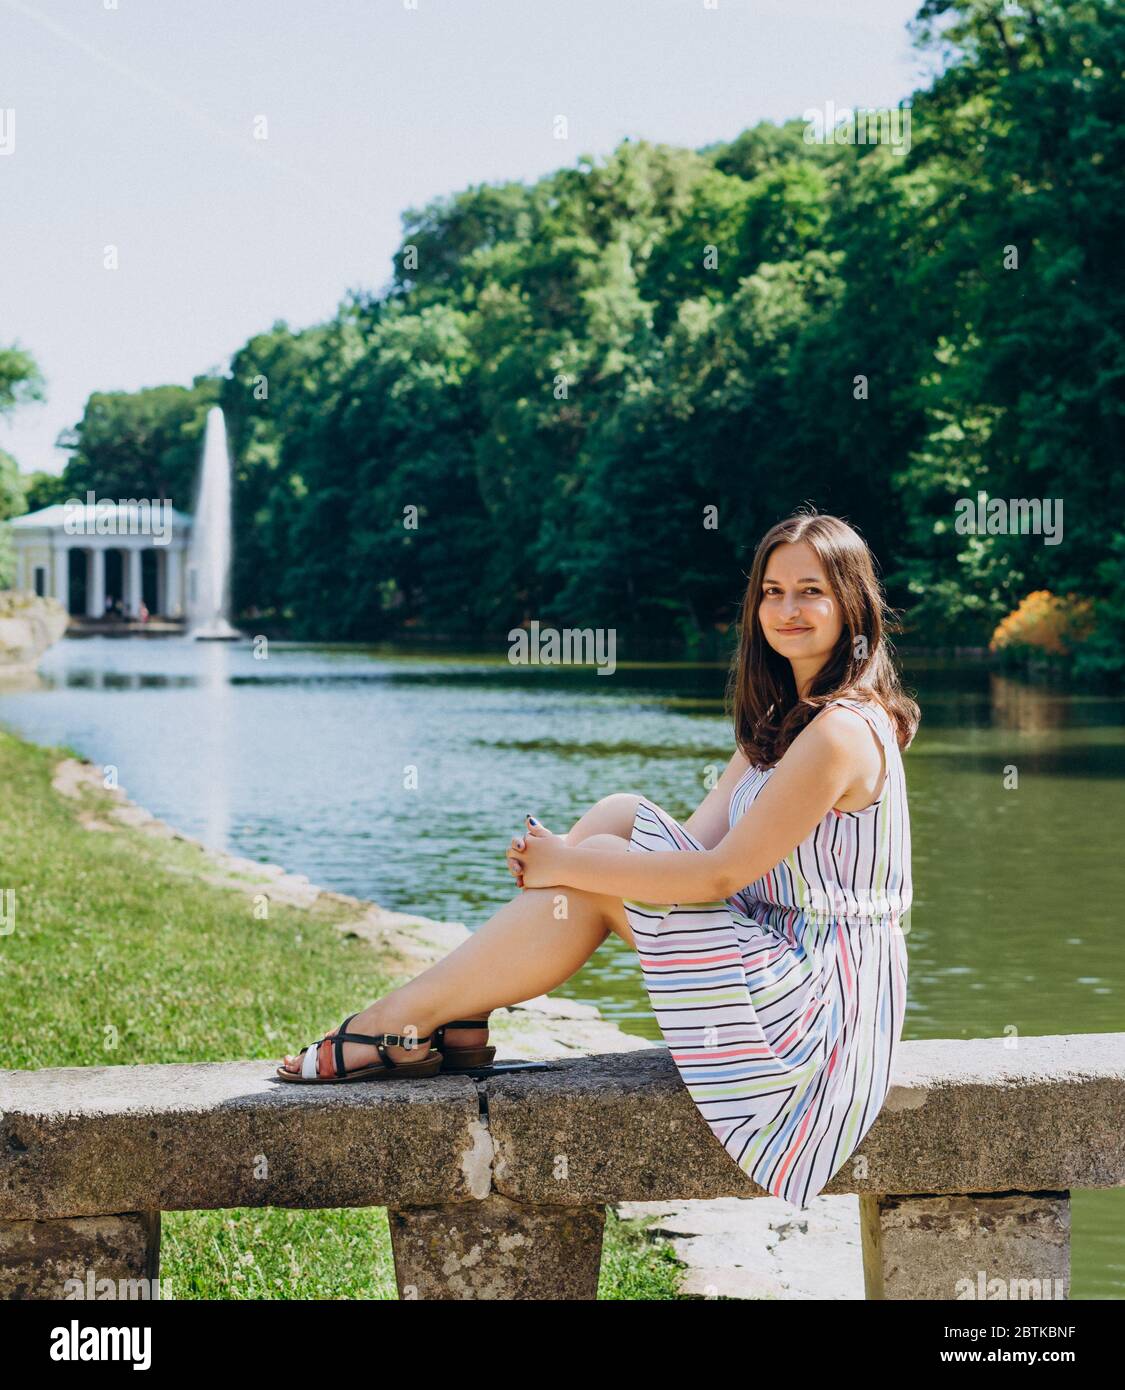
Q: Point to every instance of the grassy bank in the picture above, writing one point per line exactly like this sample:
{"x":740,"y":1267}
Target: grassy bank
{"x":123,"y":953}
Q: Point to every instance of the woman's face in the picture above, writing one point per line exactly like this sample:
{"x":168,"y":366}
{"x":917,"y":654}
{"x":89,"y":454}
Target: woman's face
{"x":798,"y":611}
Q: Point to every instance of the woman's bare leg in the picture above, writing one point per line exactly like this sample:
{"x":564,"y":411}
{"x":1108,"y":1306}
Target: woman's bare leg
{"x":612,"y":815}
{"x":533,"y":944}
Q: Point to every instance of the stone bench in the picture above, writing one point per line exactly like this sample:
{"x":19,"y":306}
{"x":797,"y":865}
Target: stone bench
{"x":497,"y":1187}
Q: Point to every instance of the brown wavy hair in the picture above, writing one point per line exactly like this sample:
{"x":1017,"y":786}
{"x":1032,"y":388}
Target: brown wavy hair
{"x":761,"y":690}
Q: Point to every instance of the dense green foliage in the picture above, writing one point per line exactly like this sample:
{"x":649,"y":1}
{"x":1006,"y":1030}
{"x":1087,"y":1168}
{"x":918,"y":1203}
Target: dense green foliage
{"x":140,"y":444}
{"x":563,"y":378}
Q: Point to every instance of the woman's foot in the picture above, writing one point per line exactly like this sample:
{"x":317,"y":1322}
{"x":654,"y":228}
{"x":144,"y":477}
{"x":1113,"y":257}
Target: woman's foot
{"x":372,"y":1020}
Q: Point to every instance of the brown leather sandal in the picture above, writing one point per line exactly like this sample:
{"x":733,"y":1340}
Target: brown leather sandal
{"x":428,"y":1065}
{"x":463,"y":1058}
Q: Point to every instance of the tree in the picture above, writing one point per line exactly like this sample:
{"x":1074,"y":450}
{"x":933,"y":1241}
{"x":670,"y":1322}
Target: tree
{"x":20,"y":382}
{"x":142,"y":444}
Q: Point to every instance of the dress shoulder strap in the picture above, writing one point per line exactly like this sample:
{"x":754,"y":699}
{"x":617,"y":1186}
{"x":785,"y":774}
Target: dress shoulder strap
{"x":875,"y":714}
{"x":879,"y":719}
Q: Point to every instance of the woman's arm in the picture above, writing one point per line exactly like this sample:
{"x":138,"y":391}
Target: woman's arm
{"x":710,"y":820}
{"x":816,"y":772}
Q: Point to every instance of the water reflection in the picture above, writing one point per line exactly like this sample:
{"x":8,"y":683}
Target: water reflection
{"x":1027,"y":708}
{"x":12,"y":681}
{"x":118,"y":680}
{"x":213,"y":736}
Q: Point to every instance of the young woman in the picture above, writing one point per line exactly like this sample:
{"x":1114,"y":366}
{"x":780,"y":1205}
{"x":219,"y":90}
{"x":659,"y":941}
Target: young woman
{"x":768,"y":924}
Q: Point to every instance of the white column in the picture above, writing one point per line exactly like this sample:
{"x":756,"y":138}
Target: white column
{"x":173,"y":583}
{"x":133,"y":582}
{"x":95,"y":582}
{"x":21,"y":571}
{"x":61,"y":589}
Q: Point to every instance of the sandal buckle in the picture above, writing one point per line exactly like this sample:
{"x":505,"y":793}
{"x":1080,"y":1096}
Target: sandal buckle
{"x":401,"y":1040}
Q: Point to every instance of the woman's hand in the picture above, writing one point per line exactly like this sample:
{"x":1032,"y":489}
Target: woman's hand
{"x":535,"y":858}
{"x":514,"y":867}
{"x":515,"y":852}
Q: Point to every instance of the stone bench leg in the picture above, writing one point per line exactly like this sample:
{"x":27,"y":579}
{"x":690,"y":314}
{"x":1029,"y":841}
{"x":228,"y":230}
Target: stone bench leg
{"x":971,"y":1246}
{"x":38,"y":1258}
{"x":497,"y":1249}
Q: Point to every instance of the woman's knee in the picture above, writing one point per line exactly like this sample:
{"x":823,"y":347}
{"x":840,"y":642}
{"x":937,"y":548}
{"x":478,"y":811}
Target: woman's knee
{"x":612,"y":815}
{"x":606,"y":841}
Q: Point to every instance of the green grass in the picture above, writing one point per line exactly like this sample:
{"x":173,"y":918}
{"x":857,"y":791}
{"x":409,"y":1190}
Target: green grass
{"x":271,"y":1253}
{"x":121,"y":953}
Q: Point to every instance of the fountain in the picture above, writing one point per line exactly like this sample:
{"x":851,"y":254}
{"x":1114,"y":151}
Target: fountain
{"x":209,"y":551}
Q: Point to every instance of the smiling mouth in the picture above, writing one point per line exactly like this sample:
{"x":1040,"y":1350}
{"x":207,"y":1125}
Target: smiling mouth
{"x":792,"y":631}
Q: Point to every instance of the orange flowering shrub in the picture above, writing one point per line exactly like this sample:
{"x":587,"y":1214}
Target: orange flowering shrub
{"x":1047,"y":622}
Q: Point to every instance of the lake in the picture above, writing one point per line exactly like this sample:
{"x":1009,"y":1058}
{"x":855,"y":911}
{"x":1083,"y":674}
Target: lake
{"x":401,"y":777}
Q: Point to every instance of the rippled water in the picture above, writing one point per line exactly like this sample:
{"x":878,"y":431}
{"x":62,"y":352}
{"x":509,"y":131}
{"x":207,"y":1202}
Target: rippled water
{"x":401,"y":778}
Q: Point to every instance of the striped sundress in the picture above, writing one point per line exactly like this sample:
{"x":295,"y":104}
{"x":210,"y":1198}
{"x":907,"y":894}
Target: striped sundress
{"x":782,"y":1006}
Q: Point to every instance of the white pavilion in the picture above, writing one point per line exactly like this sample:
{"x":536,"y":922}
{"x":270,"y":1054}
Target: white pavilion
{"x":91,"y":556}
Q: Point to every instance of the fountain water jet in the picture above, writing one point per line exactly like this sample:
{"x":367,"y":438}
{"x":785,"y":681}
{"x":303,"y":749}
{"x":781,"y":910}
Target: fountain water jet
{"x":209,"y":552}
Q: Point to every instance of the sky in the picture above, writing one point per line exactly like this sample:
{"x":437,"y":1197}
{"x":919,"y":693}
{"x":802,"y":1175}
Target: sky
{"x":131,"y":124}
